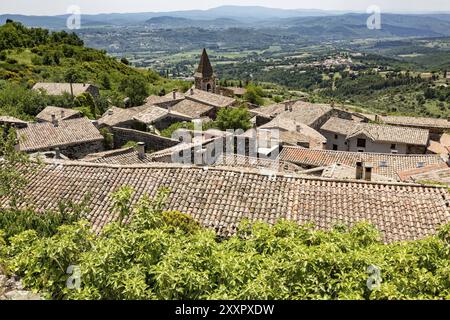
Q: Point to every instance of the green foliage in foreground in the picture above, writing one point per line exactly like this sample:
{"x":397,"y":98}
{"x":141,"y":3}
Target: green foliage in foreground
{"x":166,"y":255}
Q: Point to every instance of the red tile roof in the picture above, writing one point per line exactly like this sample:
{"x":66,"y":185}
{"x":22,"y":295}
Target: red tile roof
{"x":220,"y":199}
{"x":385,"y":164}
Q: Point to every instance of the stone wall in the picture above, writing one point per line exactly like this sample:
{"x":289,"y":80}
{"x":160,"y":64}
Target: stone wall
{"x":83,"y":149}
{"x":11,"y":289}
{"x":152,"y":142}
{"x":78,"y":151}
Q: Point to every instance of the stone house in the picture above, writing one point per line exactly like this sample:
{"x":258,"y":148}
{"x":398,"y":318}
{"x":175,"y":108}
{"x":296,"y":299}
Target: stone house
{"x":58,"y":89}
{"x":74,"y":138}
{"x":51,"y":113}
{"x":383,"y":164}
{"x":347,"y":135}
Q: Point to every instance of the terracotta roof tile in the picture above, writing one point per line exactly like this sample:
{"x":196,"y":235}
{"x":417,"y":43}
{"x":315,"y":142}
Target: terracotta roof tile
{"x":220,"y":199}
{"x":56,"y":89}
{"x":416,"y":122}
{"x":385,"y":164}
{"x":60,"y":113}
{"x":124,"y":156}
{"x":376,"y":132}
{"x":302,"y":112}
{"x":209,"y":98}
{"x":191,"y":108}
{"x":40,"y":136}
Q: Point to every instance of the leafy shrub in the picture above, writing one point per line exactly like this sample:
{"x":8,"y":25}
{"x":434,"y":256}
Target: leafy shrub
{"x":233,"y":118}
{"x":166,"y":255}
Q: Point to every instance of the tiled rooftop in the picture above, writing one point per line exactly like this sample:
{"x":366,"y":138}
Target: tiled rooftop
{"x":57,"y":89}
{"x":39,"y":136}
{"x":376,"y":132}
{"x":12,"y":120}
{"x":156,"y":100}
{"x":115,"y":116}
{"x":60,"y":113}
{"x":388,"y":165}
{"x":441,"y":176}
{"x":125,"y":156}
{"x":302,"y":112}
{"x":220,"y":199}
{"x":416,"y":121}
{"x":240,"y":161}
{"x":292,"y":131}
{"x":191,"y":108}
{"x":212,"y":99}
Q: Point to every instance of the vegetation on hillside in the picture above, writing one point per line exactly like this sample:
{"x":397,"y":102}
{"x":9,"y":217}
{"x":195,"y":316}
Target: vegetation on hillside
{"x":30,"y":55}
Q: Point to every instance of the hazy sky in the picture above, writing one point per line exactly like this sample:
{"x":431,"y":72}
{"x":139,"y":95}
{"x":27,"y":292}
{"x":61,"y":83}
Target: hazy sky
{"x":52,"y":7}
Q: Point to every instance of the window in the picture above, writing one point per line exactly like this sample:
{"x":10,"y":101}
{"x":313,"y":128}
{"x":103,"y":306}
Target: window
{"x":383,"y":164}
{"x":393,"y":146}
{"x":335,"y":147}
{"x":336,"y":136}
{"x":361,"y":143}
{"x":420,"y":164}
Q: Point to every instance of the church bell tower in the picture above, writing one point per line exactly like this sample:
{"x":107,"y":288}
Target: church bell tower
{"x":205,"y":79}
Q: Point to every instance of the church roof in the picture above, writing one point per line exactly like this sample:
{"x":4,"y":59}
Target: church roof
{"x":204,"y":69}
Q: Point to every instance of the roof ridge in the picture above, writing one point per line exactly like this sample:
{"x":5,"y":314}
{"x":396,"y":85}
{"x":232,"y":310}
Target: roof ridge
{"x":159,"y":165}
{"x":361,"y":153}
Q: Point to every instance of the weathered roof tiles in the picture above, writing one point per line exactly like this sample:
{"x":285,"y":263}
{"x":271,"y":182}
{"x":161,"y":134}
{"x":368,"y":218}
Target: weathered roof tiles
{"x":376,"y":132}
{"x":220,"y":199}
{"x":45,"y":135}
{"x":385,"y":164}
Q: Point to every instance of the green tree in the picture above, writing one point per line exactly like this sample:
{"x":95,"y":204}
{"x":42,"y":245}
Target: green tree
{"x":135,"y":88}
{"x":106,"y":82}
{"x":254,"y":94}
{"x":14,"y":167}
{"x":233,"y":118}
{"x":72,"y":76}
{"x":85,"y":102}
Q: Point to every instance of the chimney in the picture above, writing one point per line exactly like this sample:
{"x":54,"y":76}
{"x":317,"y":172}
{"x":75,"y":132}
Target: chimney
{"x":359,"y":170}
{"x":448,"y":119}
{"x":286,"y":107}
{"x":377,"y":118}
{"x":141,"y":150}
{"x":57,"y":153}
{"x":63,"y":114}
{"x":110,"y":112}
{"x":192,"y":92}
{"x":54,"y":121}
{"x":368,"y":172}
{"x":174,"y":94}
{"x":299,"y":128}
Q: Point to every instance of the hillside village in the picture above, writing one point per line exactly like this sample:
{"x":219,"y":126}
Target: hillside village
{"x":300,"y":161}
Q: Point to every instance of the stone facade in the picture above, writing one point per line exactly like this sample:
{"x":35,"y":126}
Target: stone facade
{"x":152,"y":142}
{"x":78,"y":151}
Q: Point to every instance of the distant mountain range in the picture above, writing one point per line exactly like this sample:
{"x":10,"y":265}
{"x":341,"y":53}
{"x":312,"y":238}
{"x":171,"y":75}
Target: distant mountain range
{"x":328,"y":24}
